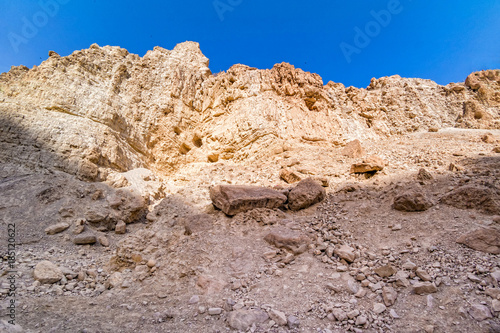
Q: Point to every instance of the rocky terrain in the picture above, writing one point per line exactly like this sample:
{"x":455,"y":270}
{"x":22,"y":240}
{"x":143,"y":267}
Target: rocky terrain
{"x":150,"y":195}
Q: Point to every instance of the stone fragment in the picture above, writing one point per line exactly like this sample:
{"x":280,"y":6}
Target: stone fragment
{"x":495,"y":305}
{"x":242,"y":320}
{"x":424,"y":175}
{"x":423,"y":275}
{"x":353,"y":149}
{"x":283,"y":237}
{"x":385,"y":271}
{"x":115,"y":280}
{"x":361,"y":320}
{"x":370,"y":164}
{"x":480,"y":312}
{"x":423,"y":288}
{"x":412,"y":201}
{"x":84,"y":238}
{"x":293,"y":322}
{"x":289,"y":176}
{"x":278,"y":316}
{"x":214,"y":311}
{"x":47,"y":272}
{"x":345,"y":252}
{"x":389,"y":295}
{"x":120,"y":228}
{"x":306,"y":193}
{"x":233,"y":199}
{"x":488,"y":138}
{"x":339,"y":314}
{"x":496,"y":275}
{"x":378,"y":308}
{"x":103,"y":240}
{"x":483,"y":239}
{"x":56,"y":228}
{"x":194,"y":299}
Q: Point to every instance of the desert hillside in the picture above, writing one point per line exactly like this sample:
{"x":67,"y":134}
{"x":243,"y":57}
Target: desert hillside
{"x":149,"y":194}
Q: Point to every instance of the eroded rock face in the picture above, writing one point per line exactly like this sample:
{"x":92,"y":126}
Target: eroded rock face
{"x":234,"y":199}
{"x":106,"y":122}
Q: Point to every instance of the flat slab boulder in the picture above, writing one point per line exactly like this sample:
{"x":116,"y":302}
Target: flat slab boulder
{"x":234,"y":199}
{"x":282,"y":237}
{"x":307,"y":193}
{"x":484,"y":240}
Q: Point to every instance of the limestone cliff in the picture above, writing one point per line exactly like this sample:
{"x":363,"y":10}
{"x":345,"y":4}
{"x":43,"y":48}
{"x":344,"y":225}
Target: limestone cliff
{"x":103,"y":110}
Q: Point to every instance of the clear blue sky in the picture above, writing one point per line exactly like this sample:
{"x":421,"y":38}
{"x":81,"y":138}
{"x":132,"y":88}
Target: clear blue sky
{"x":439,"y":40}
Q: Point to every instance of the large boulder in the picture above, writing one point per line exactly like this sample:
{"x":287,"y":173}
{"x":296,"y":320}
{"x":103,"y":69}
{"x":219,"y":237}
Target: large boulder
{"x":484,"y":240}
{"x":412,"y":201}
{"x":481,"y":198}
{"x":305,"y":194}
{"x":234,"y":199}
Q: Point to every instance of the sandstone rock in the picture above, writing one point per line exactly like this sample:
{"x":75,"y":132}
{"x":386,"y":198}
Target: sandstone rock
{"x":483,"y":239}
{"x":214,"y":311}
{"x":423,"y":275}
{"x":115,"y":280}
{"x":242,"y":320}
{"x":233,"y":199}
{"x":47,"y":272}
{"x":412,"y":201}
{"x":423,"y":288}
{"x":480,"y":312}
{"x":56,"y":228}
{"x":306,"y":193}
{"x":424,"y":175}
{"x":120,"y":228}
{"x":293,"y":322}
{"x":103,"y":240}
{"x":339,"y":314}
{"x":282,"y":237}
{"x":361,"y":320}
{"x":289,"y":176}
{"x":495,"y":305}
{"x":345,"y":252}
{"x":378,"y":308}
{"x":85,"y":238}
{"x":370,"y":164}
{"x":474,"y":197}
{"x":496,"y":149}
{"x":389,"y":295}
{"x":127,"y":204}
{"x":278,"y":316}
{"x":385,"y":271}
{"x":353,"y":149}
{"x":488,"y":138}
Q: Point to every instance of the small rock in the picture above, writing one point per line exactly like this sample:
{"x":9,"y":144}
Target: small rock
{"x":293,"y":322}
{"x":56,"y":228}
{"x":339,"y":314}
{"x":214,"y":311}
{"x":293,"y":240}
{"x":353,"y":149}
{"x":103,"y":240}
{"x":422,"y":288}
{"x":480,"y":312}
{"x":423,"y":275}
{"x":394,"y":314}
{"x":488,"y":138}
{"x":47,"y":272}
{"x":289,"y":176}
{"x":115,"y":280}
{"x":151,"y":263}
{"x":495,"y":305}
{"x":385,"y":271}
{"x":278,"y":316}
{"x":412,"y":201}
{"x":378,"y":308}
{"x":194,"y":299}
{"x":484,"y":240}
{"x":345,"y":252}
{"x":120,"y":228}
{"x":85,"y":238}
{"x":361,"y":320}
{"x":370,"y":164}
{"x":389,"y":295}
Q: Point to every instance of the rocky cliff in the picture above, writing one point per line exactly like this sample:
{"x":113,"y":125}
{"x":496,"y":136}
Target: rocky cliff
{"x":103,"y":110}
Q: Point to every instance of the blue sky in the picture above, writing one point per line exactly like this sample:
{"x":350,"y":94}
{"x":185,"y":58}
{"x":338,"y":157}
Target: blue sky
{"x":343,"y":41}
